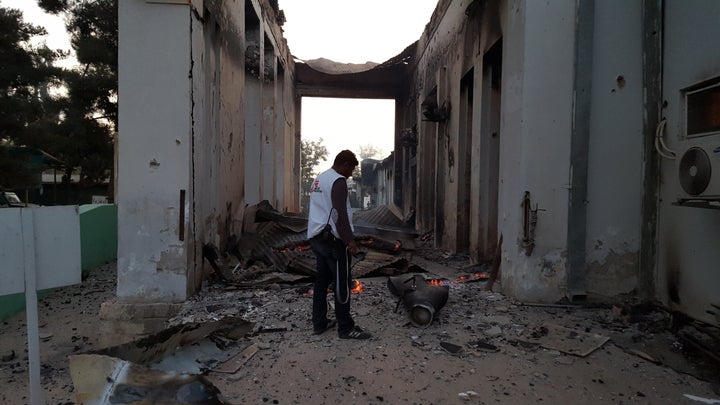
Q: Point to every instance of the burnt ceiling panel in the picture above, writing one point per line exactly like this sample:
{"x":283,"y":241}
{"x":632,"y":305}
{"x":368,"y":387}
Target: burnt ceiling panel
{"x":325,"y":78}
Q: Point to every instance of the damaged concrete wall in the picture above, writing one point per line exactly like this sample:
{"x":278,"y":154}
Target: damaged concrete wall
{"x":573,"y":144}
{"x":182,"y":168}
{"x":154,"y":150}
{"x":439,"y":63}
{"x":538,"y":71}
{"x":454,"y":150}
{"x":405,"y":148}
{"x":287,"y":177}
{"x":388,"y":184}
{"x":501,"y":159}
{"x":615,"y":176}
{"x":272,"y":157}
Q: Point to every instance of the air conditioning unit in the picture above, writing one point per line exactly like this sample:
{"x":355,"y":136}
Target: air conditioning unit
{"x":698,"y":166}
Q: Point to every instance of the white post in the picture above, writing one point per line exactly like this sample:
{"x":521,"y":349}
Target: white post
{"x":28,"y":235}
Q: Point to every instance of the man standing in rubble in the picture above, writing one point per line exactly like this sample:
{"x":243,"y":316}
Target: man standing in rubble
{"x":330,"y":232}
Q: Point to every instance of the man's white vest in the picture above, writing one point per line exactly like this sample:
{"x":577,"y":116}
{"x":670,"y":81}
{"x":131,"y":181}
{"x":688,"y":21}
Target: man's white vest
{"x":321,"y":204}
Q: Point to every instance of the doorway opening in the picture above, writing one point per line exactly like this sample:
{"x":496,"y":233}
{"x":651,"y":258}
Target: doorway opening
{"x":364,"y":126}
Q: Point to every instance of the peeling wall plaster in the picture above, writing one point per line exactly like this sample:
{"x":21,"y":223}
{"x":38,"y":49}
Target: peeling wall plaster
{"x":538,"y":280}
{"x":616,"y":274}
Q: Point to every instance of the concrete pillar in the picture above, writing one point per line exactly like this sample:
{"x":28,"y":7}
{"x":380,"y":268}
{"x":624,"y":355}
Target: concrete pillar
{"x":154,"y":149}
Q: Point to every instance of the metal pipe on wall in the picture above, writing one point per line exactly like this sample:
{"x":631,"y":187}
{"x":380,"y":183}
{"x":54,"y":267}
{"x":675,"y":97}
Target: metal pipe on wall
{"x":580,"y":139}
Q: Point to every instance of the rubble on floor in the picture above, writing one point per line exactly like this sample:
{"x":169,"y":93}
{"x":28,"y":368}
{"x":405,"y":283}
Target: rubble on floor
{"x":274,"y":249}
{"x":481,"y":347}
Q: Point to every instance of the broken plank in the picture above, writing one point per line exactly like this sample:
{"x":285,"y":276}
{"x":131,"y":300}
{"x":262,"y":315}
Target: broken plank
{"x":232,"y":365}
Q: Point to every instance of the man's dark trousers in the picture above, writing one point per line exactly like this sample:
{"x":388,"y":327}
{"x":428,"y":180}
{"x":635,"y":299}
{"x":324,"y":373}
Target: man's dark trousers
{"x":333,"y":264}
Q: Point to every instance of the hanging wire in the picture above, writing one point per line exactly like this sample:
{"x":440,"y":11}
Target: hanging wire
{"x":660,"y":145}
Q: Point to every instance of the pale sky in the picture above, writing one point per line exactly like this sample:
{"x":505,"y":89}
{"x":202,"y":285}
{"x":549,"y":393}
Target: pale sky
{"x":57,"y":37}
{"x":352,"y":31}
{"x":348,"y":123}
{"x":348,"y":31}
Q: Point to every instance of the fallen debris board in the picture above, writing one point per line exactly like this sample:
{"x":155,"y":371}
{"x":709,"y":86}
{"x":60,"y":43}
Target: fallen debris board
{"x":102,"y":379}
{"x":196,"y":358}
{"x":702,"y":400}
{"x":272,"y":278}
{"x":435,"y":268}
{"x":484,"y":346}
{"x":451,"y":347}
{"x":374,"y":261}
{"x":566,"y":340}
{"x":154,"y":347}
{"x":234,"y":363}
{"x":644,"y":356}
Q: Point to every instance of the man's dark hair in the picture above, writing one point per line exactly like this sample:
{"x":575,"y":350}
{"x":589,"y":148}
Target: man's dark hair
{"x":345,"y":157}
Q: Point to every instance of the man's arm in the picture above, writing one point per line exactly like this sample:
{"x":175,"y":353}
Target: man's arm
{"x":339,"y":195}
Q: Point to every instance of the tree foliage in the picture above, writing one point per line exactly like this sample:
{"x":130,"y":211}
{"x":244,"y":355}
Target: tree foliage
{"x":26,"y":73}
{"x":15,"y":171}
{"x":90,"y":108}
{"x":311,"y":153}
{"x":78,"y":126}
{"x":369,"y":151}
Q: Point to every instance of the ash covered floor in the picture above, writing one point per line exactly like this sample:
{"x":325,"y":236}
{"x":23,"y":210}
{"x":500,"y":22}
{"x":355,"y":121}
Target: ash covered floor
{"x":482,"y":348}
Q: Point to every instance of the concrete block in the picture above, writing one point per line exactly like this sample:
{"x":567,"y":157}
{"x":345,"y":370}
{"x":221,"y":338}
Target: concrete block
{"x":132,"y":311}
{"x":114,"y":332}
{"x":123,"y":322}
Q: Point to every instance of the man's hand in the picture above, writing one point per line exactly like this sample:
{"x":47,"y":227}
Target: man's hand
{"x":352,"y":248}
